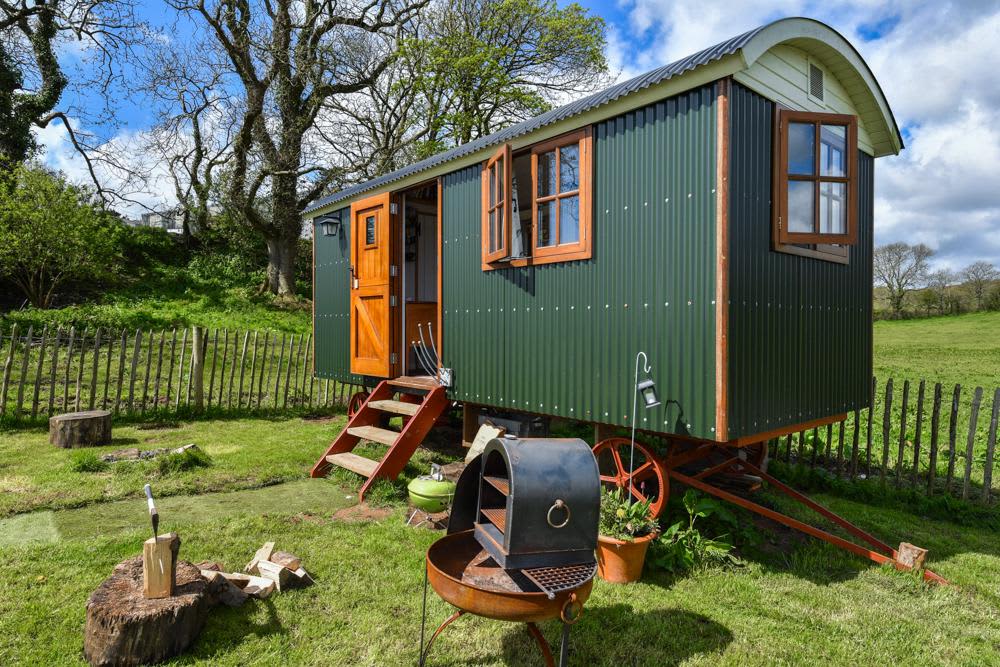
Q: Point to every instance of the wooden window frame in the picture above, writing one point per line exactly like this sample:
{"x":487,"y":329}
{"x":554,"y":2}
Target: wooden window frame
{"x":373,"y":244}
{"x":826,"y":244}
{"x":503,"y":158}
{"x":582,"y":249}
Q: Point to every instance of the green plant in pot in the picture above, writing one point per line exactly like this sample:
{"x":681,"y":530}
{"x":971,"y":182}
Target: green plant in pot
{"x":626,"y":529}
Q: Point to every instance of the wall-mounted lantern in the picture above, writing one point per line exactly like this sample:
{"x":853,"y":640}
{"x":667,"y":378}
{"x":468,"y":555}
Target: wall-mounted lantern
{"x":329,"y":224}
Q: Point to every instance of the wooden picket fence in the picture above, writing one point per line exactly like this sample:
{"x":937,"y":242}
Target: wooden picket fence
{"x":143,"y":372}
{"x":935,"y":442}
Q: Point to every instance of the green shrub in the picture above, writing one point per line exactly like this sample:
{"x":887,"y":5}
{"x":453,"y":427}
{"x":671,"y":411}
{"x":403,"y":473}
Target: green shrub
{"x":177,"y":462}
{"x":86,"y":461}
{"x":682,"y":547}
{"x":623,"y":518}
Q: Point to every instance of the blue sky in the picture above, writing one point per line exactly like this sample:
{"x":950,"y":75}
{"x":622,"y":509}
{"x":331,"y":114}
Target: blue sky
{"x":936,"y":61}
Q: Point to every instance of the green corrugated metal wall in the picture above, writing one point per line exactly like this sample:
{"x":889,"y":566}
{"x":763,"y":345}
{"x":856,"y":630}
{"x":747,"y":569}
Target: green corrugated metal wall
{"x":800,"y":336}
{"x":561,"y":339}
{"x":331,"y":324}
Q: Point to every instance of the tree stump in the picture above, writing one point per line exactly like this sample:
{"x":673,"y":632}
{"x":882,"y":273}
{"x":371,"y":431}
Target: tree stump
{"x":80,"y":429}
{"x":125,"y":628}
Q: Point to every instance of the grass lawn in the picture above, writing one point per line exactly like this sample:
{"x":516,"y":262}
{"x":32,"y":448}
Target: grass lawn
{"x":960,"y":349}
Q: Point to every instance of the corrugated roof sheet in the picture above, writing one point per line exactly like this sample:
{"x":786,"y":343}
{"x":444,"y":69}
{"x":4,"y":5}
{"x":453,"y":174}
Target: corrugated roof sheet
{"x":653,"y":77}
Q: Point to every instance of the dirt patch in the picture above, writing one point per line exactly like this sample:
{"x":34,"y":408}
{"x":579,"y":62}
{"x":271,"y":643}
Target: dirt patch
{"x":322,"y":418}
{"x":306,"y":517}
{"x":362,"y":512}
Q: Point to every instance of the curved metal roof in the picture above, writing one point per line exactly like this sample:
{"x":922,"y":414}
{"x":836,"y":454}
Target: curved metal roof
{"x":750,"y":45}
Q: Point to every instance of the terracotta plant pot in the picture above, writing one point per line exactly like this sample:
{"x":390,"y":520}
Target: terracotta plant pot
{"x":621,"y":562}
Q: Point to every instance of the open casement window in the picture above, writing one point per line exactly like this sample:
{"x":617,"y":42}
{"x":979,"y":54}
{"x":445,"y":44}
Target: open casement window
{"x":496,"y":206}
{"x":561,"y":198}
{"x":816,"y":181}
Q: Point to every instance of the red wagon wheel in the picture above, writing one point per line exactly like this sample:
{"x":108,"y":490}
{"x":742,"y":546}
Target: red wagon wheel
{"x":649,"y":482}
{"x":354,"y":405}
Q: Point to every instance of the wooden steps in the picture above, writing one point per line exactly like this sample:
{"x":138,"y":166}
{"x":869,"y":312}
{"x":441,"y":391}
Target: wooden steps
{"x":375,"y":434}
{"x":396,"y":407}
{"x":368,"y":423}
{"x":357,"y":464}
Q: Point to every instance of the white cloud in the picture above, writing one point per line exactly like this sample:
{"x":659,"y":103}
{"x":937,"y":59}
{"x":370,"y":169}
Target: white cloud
{"x":938,"y":65}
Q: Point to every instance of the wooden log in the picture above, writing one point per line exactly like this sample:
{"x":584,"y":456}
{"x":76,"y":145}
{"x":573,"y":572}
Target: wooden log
{"x":262,"y":554}
{"x":93,"y":372}
{"x":286,"y":559}
{"x":180,"y":370}
{"x":69,"y":364}
{"x":911,"y":556}
{"x":902,"y":433}
{"x":159,"y":566}
{"x":952,"y":437}
{"x":935,"y":424}
{"x":198,"y":366}
{"x":279,"y":574}
{"x":119,"y":385}
{"x":211,"y":373}
{"x":886,"y":417}
{"x":261,"y":386}
{"x":277,"y":377}
{"x":970,"y":443}
{"x":991,"y":445}
{"x":124,"y":628}
{"x":52,"y":373}
{"x":38,"y":373}
{"x":170,"y":367}
{"x":918,"y":429}
{"x":80,"y":429}
{"x":23,"y":374}
{"x":6,"y":370}
{"x":243,"y":358}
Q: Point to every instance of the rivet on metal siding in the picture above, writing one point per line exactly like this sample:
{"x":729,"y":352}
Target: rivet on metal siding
{"x":607,"y":305}
{"x":606,"y":211}
{"x":713,"y":302}
{"x":667,"y":200}
{"x":712,"y":429}
{"x":645,"y":203}
{"x":689,"y":302}
{"x":626,"y":207}
{"x":689,"y":195}
{"x":626,"y":305}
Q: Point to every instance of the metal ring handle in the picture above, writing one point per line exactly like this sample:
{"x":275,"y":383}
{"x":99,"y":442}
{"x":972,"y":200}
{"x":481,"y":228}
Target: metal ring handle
{"x":571,"y":611}
{"x":558,"y":505}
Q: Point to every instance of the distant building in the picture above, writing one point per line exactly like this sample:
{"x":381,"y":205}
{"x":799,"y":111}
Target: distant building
{"x":169,"y":220}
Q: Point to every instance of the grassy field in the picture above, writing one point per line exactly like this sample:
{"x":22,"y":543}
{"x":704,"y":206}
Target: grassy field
{"x":956,"y":349}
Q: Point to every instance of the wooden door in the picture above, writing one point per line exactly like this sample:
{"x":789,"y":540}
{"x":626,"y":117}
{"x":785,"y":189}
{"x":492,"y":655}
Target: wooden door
{"x":371,"y":259}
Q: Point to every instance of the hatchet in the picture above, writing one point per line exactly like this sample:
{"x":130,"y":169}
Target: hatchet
{"x":153,"y":515}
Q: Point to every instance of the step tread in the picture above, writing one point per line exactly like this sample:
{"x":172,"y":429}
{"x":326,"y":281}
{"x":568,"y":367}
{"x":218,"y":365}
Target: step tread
{"x":415,"y":382}
{"x":374,"y":433}
{"x":354,"y":463}
{"x":396,"y":407}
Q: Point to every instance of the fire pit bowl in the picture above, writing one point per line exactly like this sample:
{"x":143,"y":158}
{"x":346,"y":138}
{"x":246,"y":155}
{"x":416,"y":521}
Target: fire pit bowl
{"x":463,"y":575}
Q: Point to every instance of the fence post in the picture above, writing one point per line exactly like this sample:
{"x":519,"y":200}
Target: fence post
{"x":93,"y":373}
{"x":243,"y":357}
{"x":288,"y":371}
{"x":277,"y":376}
{"x":886,"y":419}
{"x":854,"y":445}
{"x":917,"y":433}
{"x":52,"y":373}
{"x":952,"y":437}
{"x":991,"y":444}
{"x":263,"y":368}
{"x":977,"y":399}
{"x":24,"y":372}
{"x":198,"y":366}
{"x":38,"y":373}
{"x":211,"y":375}
{"x":149,"y":368}
{"x":121,"y":369}
{"x":180,"y":370}
{"x":136,"y":351}
{"x":935,"y":424}
{"x":6,"y":369}
{"x":79,"y":370}
{"x":902,"y":433}
{"x":868,"y":431}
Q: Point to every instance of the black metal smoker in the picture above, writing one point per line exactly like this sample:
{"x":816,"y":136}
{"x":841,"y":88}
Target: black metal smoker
{"x":521,"y":538}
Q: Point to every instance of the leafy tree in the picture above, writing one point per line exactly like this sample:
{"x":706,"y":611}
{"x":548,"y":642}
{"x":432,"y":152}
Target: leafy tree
{"x":927,"y":301}
{"x":978,"y":276}
{"x":937,"y":286}
{"x":50,"y":235}
{"x":900,"y":267}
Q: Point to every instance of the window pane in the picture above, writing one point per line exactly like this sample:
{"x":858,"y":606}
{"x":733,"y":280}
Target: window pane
{"x":800,"y":207}
{"x":801,"y":148}
{"x":500,"y":223}
{"x":833,"y":208}
{"x":493,"y":185}
{"x":569,"y":219}
{"x":501,"y":180}
{"x":832,"y":147}
{"x":493,"y":231}
{"x":569,"y":168}
{"x":370,"y":230}
{"x":546,"y":174}
{"x":546,"y":224}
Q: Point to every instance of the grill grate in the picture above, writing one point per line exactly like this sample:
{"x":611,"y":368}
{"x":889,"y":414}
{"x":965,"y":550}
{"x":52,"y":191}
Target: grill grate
{"x":552,"y":580}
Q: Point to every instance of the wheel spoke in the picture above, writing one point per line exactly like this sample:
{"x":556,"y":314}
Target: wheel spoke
{"x":618,"y":462}
{"x":644,"y":471}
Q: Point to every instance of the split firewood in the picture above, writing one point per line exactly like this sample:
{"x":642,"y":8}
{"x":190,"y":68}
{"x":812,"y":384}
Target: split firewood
{"x":223,"y":590}
{"x":260,"y":588}
{"x":279,"y":574}
{"x":263,"y":554}
{"x":237,"y":579}
{"x":911,"y":556}
{"x":209,"y":565}
{"x":291,"y":561}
